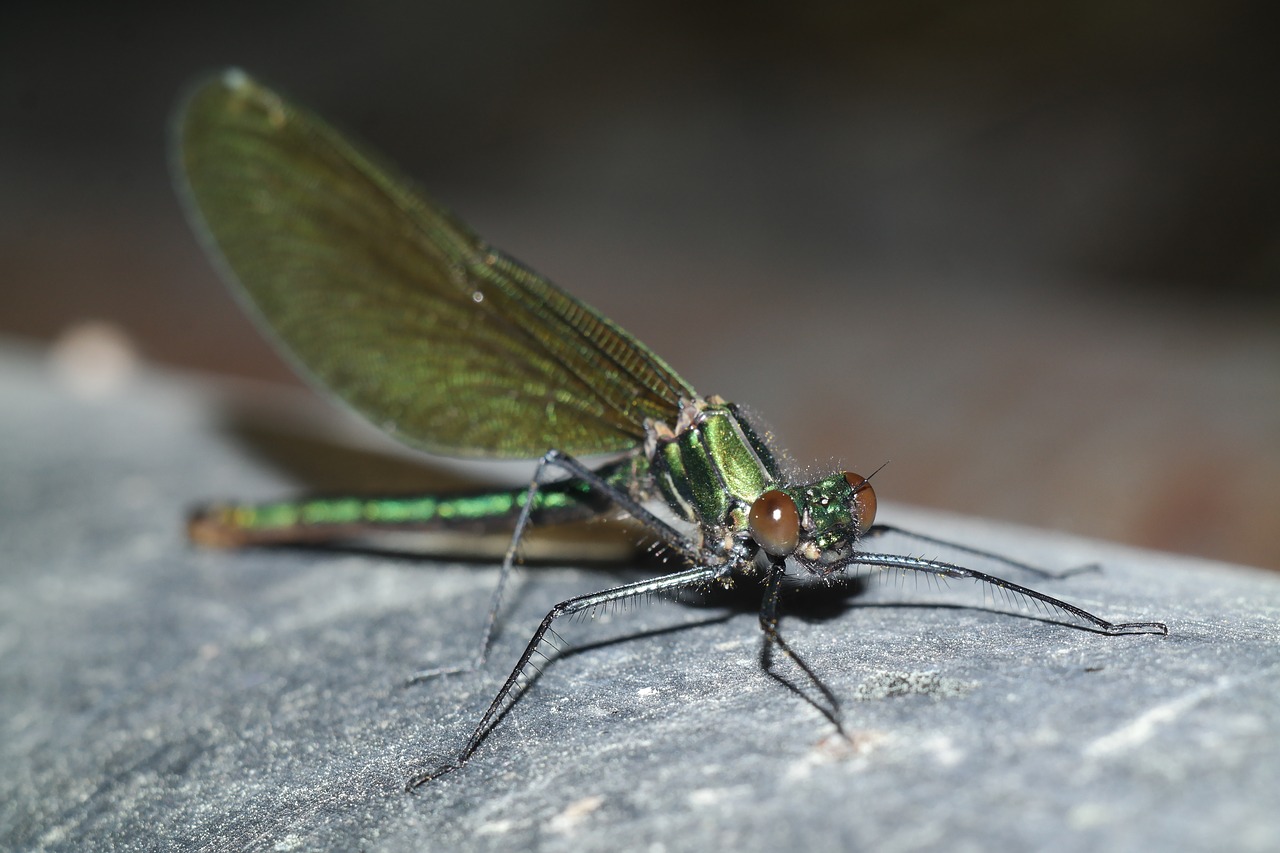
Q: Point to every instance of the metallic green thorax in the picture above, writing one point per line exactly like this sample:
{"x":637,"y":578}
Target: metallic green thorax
{"x":713,"y":466}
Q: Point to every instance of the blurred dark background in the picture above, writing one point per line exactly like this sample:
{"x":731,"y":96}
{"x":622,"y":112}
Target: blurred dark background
{"x":1028,"y":252}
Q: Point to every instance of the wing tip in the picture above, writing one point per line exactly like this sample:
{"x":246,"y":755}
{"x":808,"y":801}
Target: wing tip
{"x":236,"y":78}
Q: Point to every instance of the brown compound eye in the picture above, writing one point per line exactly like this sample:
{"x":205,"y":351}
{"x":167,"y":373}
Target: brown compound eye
{"x":864,"y":499}
{"x":774,"y":523}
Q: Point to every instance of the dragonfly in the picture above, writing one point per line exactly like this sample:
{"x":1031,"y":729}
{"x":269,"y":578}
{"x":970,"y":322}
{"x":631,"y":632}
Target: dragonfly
{"x":395,"y":306}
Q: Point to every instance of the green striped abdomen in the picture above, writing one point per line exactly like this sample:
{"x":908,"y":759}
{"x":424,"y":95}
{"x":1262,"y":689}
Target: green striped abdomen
{"x":336,"y":518}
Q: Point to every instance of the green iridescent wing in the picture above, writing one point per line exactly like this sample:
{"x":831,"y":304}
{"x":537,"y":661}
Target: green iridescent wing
{"x":396,"y":306}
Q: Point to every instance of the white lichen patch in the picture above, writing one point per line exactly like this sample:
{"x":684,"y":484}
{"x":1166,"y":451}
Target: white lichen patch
{"x":887,"y":685}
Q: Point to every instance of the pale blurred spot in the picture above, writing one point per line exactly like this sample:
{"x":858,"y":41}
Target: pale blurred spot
{"x":93,"y":359}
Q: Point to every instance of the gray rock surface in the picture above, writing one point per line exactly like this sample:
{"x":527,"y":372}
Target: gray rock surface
{"x":153,"y":696}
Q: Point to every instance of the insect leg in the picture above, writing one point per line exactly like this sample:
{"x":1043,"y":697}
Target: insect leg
{"x":949,"y":570}
{"x":769,"y":624}
{"x":618,"y":496}
{"x":624,"y":501}
{"x":507,"y":695}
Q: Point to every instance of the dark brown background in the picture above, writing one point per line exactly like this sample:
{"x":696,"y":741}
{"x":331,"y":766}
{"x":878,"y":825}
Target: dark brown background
{"x":1027,"y":252}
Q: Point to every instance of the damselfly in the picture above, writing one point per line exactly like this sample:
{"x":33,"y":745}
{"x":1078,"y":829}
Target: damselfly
{"x":394,"y":305}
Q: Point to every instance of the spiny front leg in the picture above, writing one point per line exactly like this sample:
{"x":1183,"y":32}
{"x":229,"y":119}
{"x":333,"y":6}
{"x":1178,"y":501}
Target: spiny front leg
{"x":1039,"y":599}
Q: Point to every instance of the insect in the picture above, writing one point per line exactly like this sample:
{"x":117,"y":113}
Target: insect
{"x":394,"y":305}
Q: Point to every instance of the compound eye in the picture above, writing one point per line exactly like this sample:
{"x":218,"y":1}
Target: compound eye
{"x":774,"y":523}
{"x":864,"y":500}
